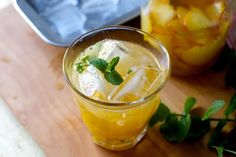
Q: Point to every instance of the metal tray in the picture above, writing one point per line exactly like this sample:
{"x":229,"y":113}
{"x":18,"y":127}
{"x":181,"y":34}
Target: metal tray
{"x":126,"y":10}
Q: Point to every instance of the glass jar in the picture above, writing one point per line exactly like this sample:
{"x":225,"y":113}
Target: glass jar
{"x":193,"y":31}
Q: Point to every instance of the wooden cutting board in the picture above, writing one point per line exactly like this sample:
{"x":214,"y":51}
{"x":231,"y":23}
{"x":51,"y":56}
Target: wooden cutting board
{"x":33,"y":87}
{"x":14,"y":139}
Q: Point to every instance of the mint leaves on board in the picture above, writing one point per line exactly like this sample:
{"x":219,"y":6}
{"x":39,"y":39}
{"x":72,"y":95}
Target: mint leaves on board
{"x":189,"y":103}
{"x":188,"y":127}
{"x":175,"y":129}
{"x":216,"y":106}
{"x":107,"y":68}
{"x":198,"y":128}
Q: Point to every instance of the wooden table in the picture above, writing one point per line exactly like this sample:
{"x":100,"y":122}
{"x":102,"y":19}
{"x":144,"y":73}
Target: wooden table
{"x":33,"y":87}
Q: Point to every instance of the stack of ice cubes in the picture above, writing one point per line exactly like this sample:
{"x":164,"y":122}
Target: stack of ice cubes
{"x":75,"y":17}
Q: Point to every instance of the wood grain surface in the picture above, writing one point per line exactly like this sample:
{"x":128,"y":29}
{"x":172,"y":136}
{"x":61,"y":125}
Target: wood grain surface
{"x":14,"y":139}
{"x":32,"y":84}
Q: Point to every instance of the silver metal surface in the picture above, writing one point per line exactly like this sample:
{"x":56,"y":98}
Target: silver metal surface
{"x":127,"y":9}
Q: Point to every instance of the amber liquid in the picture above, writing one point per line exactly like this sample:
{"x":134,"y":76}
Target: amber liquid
{"x":111,"y":127}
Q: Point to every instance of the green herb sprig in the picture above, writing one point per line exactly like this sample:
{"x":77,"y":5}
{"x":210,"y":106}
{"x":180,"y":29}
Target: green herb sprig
{"x":107,"y":68}
{"x":80,"y":66}
{"x":188,"y":126}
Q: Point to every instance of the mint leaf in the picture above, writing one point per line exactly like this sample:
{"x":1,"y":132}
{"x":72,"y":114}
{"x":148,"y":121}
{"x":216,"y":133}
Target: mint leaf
{"x":198,"y":128}
{"x":113,"y":77}
{"x":79,"y":67}
{"x":110,"y":74}
{"x":112,"y":64}
{"x":174,"y":130}
{"x":216,"y":106}
{"x":160,"y":115}
{"x":189,"y":103}
{"x":220,"y":150}
{"x":168,"y":129}
{"x":232,"y":106}
{"x":183,"y":127}
{"x":99,"y":63}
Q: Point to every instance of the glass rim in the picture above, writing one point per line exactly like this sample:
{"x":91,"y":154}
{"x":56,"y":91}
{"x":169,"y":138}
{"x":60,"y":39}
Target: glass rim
{"x":116,"y":104}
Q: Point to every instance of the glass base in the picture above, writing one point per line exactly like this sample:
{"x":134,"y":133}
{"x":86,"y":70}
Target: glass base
{"x":119,"y":145}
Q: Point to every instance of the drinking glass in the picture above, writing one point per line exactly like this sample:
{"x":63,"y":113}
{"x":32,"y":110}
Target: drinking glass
{"x":117,"y":125}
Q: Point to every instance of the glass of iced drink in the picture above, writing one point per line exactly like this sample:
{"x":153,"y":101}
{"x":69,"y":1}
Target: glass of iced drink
{"x":193,"y":31}
{"x":116,"y":74}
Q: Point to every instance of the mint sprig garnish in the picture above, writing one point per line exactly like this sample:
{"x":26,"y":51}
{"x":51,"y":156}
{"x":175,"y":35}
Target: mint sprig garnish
{"x":189,"y":127}
{"x":111,"y":66}
{"x":108,"y":69}
{"x":100,"y":64}
{"x":113,"y":77}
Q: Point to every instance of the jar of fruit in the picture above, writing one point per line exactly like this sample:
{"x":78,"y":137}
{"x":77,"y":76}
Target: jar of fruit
{"x":193,"y":31}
